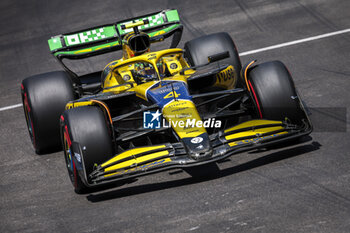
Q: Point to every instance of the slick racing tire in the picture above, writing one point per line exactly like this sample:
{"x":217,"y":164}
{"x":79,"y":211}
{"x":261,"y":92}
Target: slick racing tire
{"x":44,"y":98}
{"x":198,"y":50}
{"x":273,"y":91}
{"x":88,"y":127}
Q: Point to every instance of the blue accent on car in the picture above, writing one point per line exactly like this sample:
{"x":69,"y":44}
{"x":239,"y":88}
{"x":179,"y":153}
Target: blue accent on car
{"x":158,"y":92}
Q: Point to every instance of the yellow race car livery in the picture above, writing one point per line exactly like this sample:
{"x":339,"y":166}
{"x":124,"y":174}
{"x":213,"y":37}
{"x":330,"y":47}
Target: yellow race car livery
{"x":155,"y":110}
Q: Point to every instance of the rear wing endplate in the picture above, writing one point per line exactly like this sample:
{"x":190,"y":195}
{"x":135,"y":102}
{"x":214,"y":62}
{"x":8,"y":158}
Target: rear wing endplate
{"x":107,"y":38}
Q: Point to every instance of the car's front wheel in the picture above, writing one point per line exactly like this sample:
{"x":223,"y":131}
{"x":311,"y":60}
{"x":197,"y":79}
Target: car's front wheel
{"x":88,"y":127}
{"x":273,"y":91}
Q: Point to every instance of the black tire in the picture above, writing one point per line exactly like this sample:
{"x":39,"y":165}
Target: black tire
{"x":198,"y":50}
{"x":87,"y":126}
{"x":273,"y":91}
{"x":44,"y":98}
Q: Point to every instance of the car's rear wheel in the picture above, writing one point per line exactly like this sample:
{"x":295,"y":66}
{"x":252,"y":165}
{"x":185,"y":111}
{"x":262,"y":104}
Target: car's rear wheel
{"x":44,"y":98}
{"x":273,"y":91}
{"x":88,"y":127}
{"x":198,"y":50}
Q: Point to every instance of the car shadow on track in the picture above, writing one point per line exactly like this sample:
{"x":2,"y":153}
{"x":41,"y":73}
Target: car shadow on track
{"x":211,"y":172}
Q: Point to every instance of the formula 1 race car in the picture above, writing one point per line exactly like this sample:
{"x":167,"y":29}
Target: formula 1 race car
{"x":153,"y":111}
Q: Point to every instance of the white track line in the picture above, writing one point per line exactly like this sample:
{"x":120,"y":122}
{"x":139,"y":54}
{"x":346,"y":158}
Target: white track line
{"x":295,"y":42}
{"x":252,"y":52}
{"x":10,"y":107}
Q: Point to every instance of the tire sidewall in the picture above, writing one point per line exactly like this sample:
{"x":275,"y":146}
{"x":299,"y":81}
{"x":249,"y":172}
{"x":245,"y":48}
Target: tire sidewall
{"x":273,"y":92}
{"x":46,"y":96}
{"x":95,"y":141}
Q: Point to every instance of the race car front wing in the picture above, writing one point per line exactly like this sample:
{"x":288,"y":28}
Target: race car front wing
{"x":151,"y":159}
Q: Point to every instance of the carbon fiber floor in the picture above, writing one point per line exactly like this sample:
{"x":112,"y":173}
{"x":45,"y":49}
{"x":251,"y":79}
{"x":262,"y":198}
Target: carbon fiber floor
{"x":300,"y":188}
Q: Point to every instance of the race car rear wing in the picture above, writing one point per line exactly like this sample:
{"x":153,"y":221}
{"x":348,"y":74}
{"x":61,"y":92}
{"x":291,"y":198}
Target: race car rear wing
{"x":107,"y":38}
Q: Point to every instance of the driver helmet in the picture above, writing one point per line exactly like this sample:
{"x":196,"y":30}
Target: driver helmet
{"x":144,"y":72}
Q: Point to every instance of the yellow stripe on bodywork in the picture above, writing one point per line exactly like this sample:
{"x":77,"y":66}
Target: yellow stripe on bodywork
{"x":134,"y":152}
{"x":147,"y":165}
{"x":83,"y":51}
{"x":236,"y":143}
{"x":252,"y":123}
{"x":253,"y":132}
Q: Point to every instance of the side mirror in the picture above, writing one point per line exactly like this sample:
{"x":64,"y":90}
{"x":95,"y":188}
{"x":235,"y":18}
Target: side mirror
{"x":218,"y":57}
{"x":211,"y":59}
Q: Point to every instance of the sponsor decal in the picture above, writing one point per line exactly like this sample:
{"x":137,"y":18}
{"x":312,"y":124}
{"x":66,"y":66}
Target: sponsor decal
{"x":196,"y":140}
{"x":173,"y":66}
{"x":77,"y":156}
{"x":126,"y":77}
{"x":225,"y":75}
{"x":166,"y":90}
{"x":88,"y":36}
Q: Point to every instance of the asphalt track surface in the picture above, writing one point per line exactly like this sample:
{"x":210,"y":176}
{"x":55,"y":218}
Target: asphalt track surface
{"x":298,"y":188}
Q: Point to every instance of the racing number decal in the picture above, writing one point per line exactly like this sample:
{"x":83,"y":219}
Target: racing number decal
{"x":171,"y":95}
